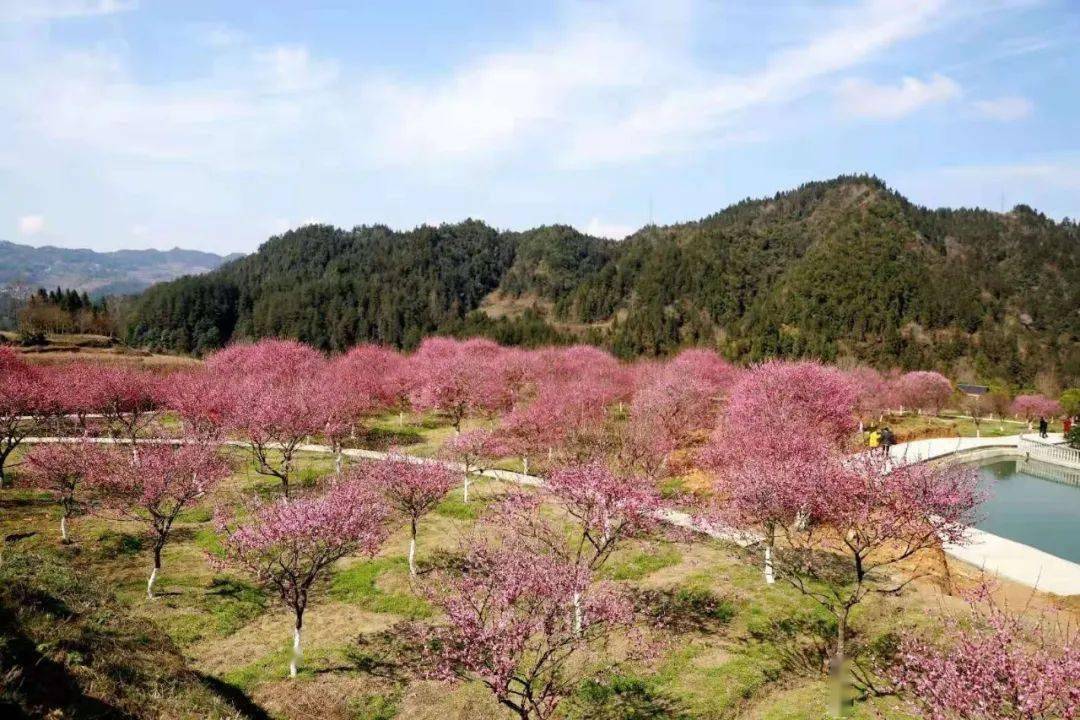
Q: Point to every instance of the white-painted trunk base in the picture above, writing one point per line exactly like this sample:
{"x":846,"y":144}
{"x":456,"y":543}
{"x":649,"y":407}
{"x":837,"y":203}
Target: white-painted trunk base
{"x":578,"y":619}
{"x":297,"y":653}
{"x":150,"y":584}
{"x":770,"y":576}
{"x":412,"y":556}
{"x":466,"y":490}
{"x":63,"y":529}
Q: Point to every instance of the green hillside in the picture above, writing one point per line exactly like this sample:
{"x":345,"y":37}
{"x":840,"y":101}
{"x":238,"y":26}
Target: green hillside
{"x":842,"y":268}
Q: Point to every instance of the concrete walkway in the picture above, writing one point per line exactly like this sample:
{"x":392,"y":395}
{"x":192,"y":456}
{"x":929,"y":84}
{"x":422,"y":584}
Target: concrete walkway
{"x":992,"y":554}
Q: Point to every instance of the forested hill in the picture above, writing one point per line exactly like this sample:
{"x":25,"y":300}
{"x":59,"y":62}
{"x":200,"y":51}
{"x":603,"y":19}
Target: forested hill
{"x":843,"y":268}
{"x":24,"y":268}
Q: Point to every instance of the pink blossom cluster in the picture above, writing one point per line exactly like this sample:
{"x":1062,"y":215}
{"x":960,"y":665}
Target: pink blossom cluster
{"x":1030,"y":407}
{"x":509,"y":625}
{"x":1000,"y":667}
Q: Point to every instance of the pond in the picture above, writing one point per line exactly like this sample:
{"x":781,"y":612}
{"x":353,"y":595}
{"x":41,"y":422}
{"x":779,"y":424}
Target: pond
{"x":1033,"y":503}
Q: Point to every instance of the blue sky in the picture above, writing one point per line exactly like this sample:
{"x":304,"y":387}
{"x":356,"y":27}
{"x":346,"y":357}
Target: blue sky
{"x":214,"y":125}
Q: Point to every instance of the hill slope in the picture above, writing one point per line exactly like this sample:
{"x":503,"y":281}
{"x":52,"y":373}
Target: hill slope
{"x":842,"y":268}
{"x":98,"y":273}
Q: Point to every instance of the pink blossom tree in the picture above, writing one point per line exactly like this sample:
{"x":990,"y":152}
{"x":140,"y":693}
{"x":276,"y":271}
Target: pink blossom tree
{"x":413,"y":489}
{"x":61,"y":469}
{"x":128,"y":398}
{"x":871,"y":394}
{"x":672,"y":402}
{"x":999,"y":666}
{"x":22,"y":397}
{"x":604,"y":510}
{"x":457,"y":379}
{"x":924,"y":391}
{"x":275,"y":360}
{"x":566,"y":416}
{"x":507,"y":626}
{"x":204,"y":400}
{"x":276,"y":418}
{"x":783,"y":426}
{"x":875,"y":517}
{"x":474,"y":450}
{"x":366,"y":380}
{"x":288,"y":545}
{"x":155,"y":487}
{"x":1029,"y":407}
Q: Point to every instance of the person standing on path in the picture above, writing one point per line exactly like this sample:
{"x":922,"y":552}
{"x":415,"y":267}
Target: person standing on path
{"x":873,"y":440}
{"x":1043,"y":427}
{"x":887,"y":441}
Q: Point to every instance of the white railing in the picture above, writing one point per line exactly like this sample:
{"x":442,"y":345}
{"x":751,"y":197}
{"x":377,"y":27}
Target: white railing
{"x":1056,"y":454}
{"x":1049,"y":471}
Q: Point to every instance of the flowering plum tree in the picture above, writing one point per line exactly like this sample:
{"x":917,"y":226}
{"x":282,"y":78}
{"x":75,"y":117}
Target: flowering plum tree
{"x":474,"y":449}
{"x":60,"y":469}
{"x":871,"y":393}
{"x":22,"y":394}
{"x":365,"y":380}
{"x":507,"y":626}
{"x":276,"y":418}
{"x":276,"y":361}
{"x":156,"y":487}
{"x":923,"y":391}
{"x":672,"y":403}
{"x":204,"y":400}
{"x":277,"y":400}
{"x":784,"y":425}
{"x":1000,"y":666}
{"x":604,"y":507}
{"x":875,"y":516}
{"x":455,"y":378}
{"x":127,"y":397}
{"x":1029,"y":407}
{"x":411,"y":488}
{"x":287,"y":545}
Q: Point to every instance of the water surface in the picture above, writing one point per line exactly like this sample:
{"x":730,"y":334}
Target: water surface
{"x":1032,"y":503}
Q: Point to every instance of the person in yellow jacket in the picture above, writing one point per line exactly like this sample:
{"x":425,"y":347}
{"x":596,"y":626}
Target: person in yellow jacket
{"x":874,"y":439}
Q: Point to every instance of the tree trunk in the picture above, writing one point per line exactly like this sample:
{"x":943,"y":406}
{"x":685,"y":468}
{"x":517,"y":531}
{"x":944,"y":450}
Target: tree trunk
{"x":3,"y":459}
{"x":337,"y":464}
{"x":154,"y":573}
{"x":770,"y":542}
{"x":466,"y":490}
{"x":577,"y":613}
{"x":400,"y":419}
{"x":525,"y":463}
{"x":297,"y":650}
{"x":838,"y":671}
{"x":63,"y":528}
{"x":412,"y":550}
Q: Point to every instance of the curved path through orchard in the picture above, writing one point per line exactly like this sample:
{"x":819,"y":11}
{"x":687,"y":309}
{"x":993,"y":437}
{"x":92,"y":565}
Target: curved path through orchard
{"x":997,"y":556}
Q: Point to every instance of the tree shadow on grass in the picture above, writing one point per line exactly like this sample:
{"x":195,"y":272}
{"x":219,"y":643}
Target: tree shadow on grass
{"x":394,"y":654}
{"x":621,"y":697}
{"x":34,"y":685}
{"x":234,"y":696}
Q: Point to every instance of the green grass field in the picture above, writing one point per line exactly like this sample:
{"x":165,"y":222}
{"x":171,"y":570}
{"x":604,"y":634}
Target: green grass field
{"x":747,"y":650}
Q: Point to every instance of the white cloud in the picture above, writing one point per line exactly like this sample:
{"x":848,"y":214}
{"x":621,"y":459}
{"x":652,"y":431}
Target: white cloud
{"x":862,"y":98}
{"x":711,"y":107}
{"x":218,"y":35}
{"x":30,"y":225}
{"x":46,"y":10}
{"x":1004,"y":109}
{"x":615,"y":231}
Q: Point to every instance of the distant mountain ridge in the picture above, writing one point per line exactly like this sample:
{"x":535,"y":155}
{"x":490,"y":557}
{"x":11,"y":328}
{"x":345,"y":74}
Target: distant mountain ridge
{"x":843,"y":268}
{"x":98,"y":273}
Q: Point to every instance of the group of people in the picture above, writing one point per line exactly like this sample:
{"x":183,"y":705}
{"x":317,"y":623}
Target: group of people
{"x":883,"y":439}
